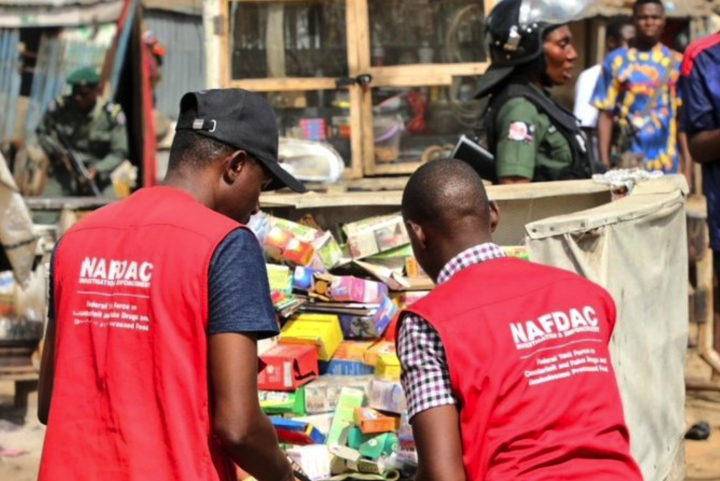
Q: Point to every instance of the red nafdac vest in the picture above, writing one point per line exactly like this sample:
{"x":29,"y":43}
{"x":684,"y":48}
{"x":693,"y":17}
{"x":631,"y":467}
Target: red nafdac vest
{"x":130,"y":399}
{"x":527,"y":349}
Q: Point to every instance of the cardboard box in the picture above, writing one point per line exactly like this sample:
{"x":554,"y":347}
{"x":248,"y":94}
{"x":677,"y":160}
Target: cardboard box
{"x":520,"y":252}
{"x":387,"y":396}
{"x":372,"y":422}
{"x":378,"y":234}
{"x":388,"y":367}
{"x":321,"y":421}
{"x":303,"y":278}
{"x":287,"y":367}
{"x":338,"y":367}
{"x":369,"y":327}
{"x":353,"y":350}
{"x":324,"y":245}
{"x":348,"y":401}
{"x":279,"y":278}
{"x":322,"y":395}
{"x":282,"y":246}
{"x":322,"y":330}
{"x":408,"y":298}
{"x":353,"y":289}
{"x":379,"y":348}
{"x":279,"y":402}
{"x":382,"y":445}
{"x":314,"y":460}
{"x":292,"y":431}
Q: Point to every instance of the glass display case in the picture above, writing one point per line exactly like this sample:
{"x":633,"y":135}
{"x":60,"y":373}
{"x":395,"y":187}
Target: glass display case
{"x":388,"y":83}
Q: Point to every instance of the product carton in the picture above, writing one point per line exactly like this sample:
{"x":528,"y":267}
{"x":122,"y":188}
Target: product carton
{"x":282,"y":246}
{"x":348,"y":360}
{"x":326,"y":251}
{"x":322,"y":330}
{"x":278,"y":402}
{"x":388,"y":367}
{"x":387,"y":396}
{"x":382,"y":445}
{"x":287,"y":367}
{"x":292,"y":431}
{"x":379,"y":348}
{"x":372,"y":422}
{"x":369,"y":327}
{"x":279,"y":278}
{"x":343,"y":420}
{"x":303,"y":278}
{"x":353,"y":289}
{"x":379,"y":234}
{"x":321,"y":421}
{"x":322,"y":395}
{"x":314,"y":460}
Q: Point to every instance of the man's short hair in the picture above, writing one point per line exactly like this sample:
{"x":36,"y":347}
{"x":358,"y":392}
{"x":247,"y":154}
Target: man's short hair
{"x":615,"y":27}
{"x":190,"y":149}
{"x":640,"y":3}
{"x":443,"y":191}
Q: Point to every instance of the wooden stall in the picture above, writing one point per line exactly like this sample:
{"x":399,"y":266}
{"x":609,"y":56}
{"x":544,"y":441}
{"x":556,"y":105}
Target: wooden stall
{"x":388,"y":83}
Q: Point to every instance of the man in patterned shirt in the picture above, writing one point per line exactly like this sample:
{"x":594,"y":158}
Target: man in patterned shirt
{"x":638,"y":89}
{"x":506,"y":364}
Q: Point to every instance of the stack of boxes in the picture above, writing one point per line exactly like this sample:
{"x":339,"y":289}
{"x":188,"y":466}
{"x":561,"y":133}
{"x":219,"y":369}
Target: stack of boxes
{"x":331,"y":381}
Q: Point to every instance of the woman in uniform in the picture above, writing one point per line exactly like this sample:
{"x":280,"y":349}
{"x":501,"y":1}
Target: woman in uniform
{"x":531,"y":136}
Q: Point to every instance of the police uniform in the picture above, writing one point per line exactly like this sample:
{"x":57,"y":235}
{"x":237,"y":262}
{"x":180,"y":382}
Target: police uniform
{"x":98,"y":138}
{"x":527,"y":139}
{"x":530,"y":135}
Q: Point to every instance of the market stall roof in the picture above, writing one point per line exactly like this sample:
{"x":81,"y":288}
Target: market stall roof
{"x":673,"y":8}
{"x":189,"y":7}
{"x":58,"y":13}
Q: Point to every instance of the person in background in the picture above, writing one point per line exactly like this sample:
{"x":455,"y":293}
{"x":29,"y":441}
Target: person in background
{"x":700,"y":121}
{"x":157,"y":303}
{"x":531,"y":137}
{"x":94,"y":130}
{"x":638,"y":90}
{"x":620,"y":32}
{"x":502,"y":403}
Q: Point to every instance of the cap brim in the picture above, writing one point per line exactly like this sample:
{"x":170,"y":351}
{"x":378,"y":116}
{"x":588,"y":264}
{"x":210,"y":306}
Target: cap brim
{"x":282,"y":178}
{"x":492,"y":78}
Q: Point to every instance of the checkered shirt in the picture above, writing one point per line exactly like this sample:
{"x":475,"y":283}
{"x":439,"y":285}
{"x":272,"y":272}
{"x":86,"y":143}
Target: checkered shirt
{"x":425,"y":373}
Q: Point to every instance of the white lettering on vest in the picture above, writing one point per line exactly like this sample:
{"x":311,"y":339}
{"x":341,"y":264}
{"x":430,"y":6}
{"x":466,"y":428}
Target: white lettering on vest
{"x":554,"y":325}
{"x":99,"y":271}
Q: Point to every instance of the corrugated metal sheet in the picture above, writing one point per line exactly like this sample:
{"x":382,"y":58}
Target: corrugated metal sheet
{"x":57,"y":56}
{"x":184,"y":63}
{"x":9,"y":80}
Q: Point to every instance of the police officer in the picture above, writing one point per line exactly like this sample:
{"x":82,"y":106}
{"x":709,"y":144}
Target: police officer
{"x":94,"y":130}
{"x":531,"y":136}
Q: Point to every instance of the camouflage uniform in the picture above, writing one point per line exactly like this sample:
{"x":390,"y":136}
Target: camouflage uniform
{"x":98,"y":138}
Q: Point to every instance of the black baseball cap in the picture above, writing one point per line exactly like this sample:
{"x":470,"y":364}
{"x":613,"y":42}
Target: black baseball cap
{"x":242,"y":119}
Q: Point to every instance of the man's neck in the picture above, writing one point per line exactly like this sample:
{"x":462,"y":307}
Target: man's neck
{"x":645,"y":45}
{"x":192,"y":186}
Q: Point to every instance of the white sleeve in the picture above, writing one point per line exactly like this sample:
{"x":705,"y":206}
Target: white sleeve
{"x":583,"y":95}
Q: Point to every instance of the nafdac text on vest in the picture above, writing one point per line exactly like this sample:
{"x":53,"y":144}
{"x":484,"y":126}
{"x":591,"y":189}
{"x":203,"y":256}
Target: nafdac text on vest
{"x":555,"y":325}
{"x":101,"y":272}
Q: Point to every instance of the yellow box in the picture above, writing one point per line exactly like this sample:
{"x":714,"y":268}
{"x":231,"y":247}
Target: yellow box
{"x":381,"y":347}
{"x":323,"y":330}
{"x":353,"y":350}
{"x":388,"y":367}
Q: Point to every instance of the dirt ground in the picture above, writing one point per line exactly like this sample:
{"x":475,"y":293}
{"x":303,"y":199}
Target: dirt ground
{"x":703,"y":457}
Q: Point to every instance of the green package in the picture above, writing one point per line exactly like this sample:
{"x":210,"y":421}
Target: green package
{"x":276,"y":402}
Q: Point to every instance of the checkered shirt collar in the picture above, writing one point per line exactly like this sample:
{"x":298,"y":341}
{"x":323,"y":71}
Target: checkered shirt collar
{"x":470,"y":257}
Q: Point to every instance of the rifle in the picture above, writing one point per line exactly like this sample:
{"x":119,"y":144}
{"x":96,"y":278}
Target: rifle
{"x":78,"y":165}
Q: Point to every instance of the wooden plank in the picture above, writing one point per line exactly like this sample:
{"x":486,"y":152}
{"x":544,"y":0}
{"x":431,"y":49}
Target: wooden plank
{"x":399,"y":168}
{"x":429,"y":80}
{"x":433,"y":69}
{"x":225,"y":54}
{"x":275,"y":41}
{"x":285,"y":84}
{"x":356,"y":128}
{"x":536,"y":190}
{"x":368,"y":184}
{"x":282,"y":1}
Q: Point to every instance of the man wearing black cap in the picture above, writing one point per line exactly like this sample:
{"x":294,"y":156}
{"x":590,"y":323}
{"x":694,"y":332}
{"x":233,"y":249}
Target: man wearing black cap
{"x":151,"y":365}
{"x":94,"y":130}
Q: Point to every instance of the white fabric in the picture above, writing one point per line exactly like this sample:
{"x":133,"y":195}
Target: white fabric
{"x":584,"y":89}
{"x":637,"y":249}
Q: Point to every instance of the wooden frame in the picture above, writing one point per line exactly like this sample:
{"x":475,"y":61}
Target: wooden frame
{"x":359,"y":63}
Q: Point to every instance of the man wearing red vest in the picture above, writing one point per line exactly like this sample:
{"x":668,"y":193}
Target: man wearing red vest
{"x":506,"y":365}
{"x":157,"y":303}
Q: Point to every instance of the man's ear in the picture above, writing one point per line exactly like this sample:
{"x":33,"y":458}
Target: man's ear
{"x":494,"y":216}
{"x":233,"y":165}
{"x":417,"y":232}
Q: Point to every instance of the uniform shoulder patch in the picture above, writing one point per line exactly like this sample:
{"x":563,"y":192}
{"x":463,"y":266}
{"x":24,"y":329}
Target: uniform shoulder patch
{"x":521,"y":132}
{"x":115,"y":112}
